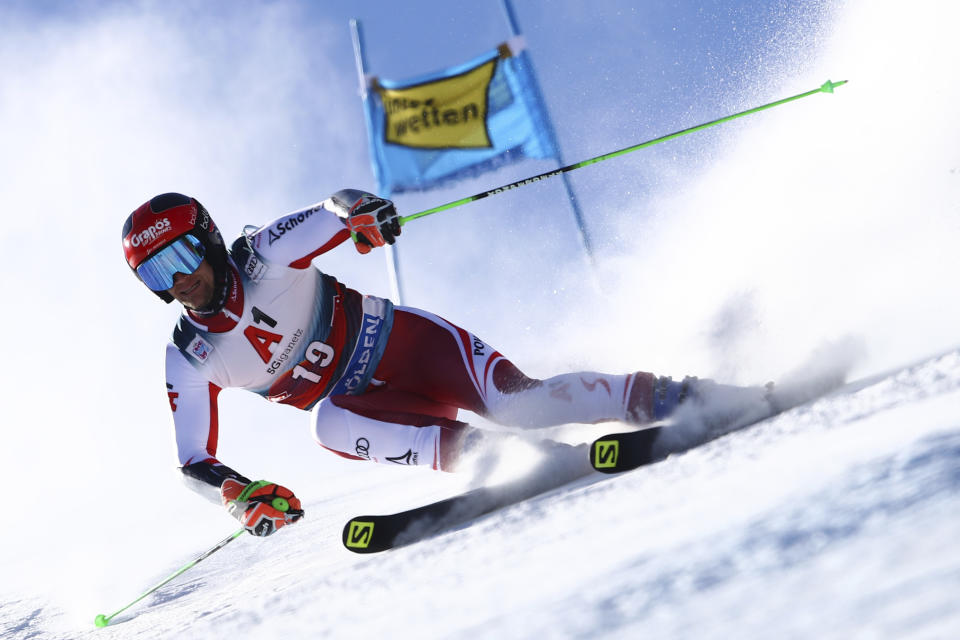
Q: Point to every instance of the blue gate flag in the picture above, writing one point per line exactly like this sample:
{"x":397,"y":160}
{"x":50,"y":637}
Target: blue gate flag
{"x":456,"y":123}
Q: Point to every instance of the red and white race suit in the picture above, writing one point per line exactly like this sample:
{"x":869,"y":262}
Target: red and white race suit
{"x":383,"y":383}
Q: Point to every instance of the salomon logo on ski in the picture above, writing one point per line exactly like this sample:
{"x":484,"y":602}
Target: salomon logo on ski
{"x":606,"y":453}
{"x":413,"y":525}
{"x":360,"y":535}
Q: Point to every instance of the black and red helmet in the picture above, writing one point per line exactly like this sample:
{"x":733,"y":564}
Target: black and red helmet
{"x":165,"y":218}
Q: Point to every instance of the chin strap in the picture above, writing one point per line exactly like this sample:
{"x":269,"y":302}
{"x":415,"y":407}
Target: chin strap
{"x":221,"y":285}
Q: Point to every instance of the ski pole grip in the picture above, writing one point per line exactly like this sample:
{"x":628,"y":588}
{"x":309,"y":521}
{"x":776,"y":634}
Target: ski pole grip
{"x":278,"y":503}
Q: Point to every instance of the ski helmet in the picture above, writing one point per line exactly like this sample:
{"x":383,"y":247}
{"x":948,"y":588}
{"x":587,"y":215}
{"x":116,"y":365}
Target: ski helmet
{"x":162,"y":222}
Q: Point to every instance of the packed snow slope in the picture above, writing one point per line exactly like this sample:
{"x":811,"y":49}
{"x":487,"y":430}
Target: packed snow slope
{"x":838,"y":519}
{"x":733,"y":253}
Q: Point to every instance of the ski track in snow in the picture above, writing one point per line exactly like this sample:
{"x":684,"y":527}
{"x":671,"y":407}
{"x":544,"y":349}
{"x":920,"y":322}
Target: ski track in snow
{"x":834,"y":520}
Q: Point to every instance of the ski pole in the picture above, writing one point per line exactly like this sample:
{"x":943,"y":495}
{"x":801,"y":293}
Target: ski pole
{"x":102,"y":620}
{"x":826,"y":87}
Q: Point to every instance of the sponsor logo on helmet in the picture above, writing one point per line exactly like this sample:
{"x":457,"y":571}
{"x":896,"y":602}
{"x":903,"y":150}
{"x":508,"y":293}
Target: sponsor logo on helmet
{"x":200,"y":217}
{"x":288,"y":223}
{"x":150,"y":234}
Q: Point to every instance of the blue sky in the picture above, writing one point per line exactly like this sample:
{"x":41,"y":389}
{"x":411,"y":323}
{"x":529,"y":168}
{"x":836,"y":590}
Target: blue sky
{"x":205,"y":97}
{"x":613,"y":73}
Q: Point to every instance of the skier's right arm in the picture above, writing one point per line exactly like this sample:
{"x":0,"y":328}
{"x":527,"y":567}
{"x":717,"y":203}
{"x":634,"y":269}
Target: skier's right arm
{"x":261,"y":507}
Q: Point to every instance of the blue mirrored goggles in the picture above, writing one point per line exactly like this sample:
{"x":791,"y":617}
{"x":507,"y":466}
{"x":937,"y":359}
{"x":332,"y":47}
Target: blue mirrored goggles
{"x":183,"y":255}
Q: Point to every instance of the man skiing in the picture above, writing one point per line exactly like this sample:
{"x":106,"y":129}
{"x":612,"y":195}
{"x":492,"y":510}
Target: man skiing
{"x":383,"y":383}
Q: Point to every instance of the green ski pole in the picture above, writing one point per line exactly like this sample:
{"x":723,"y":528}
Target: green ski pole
{"x":102,"y":620}
{"x":826,"y":87}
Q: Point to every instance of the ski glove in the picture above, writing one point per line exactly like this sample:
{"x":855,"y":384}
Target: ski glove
{"x":261,"y":507}
{"x":373,"y":222}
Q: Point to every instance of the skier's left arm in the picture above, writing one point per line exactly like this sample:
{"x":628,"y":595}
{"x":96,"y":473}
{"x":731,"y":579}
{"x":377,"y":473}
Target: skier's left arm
{"x":297,"y":238}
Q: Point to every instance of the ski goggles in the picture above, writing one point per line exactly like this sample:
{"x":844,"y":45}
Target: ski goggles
{"x":183,"y":255}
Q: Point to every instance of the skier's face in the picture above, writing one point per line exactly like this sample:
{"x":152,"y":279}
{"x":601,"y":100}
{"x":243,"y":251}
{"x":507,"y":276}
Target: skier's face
{"x":194,"y":291}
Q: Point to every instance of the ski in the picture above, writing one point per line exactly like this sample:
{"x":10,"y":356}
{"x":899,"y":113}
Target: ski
{"x":628,"y":450}
{"x":612,"y":453}
{"x":624,"y":451}
{"x":376,"y":533}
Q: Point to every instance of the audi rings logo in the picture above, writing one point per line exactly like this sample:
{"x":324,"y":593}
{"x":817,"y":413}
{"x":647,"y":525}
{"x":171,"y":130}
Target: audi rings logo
{"x":363,"y":448}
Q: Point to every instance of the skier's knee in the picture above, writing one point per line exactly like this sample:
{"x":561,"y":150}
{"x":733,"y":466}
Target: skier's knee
{"x":507,"y":378}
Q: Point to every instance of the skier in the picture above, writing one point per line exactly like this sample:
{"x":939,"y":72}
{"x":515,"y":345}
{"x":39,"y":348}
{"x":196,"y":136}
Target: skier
{"x":383,"y":383}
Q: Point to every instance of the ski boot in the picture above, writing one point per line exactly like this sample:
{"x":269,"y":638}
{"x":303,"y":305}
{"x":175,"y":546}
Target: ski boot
{"x":716,"y":406}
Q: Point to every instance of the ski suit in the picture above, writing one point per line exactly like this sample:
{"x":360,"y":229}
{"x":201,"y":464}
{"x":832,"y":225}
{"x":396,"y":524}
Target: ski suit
{"x":383,"y":383}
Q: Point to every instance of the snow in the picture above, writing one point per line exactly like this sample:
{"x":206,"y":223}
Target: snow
{"x":731,"y":254}
{"x":838,"y":519}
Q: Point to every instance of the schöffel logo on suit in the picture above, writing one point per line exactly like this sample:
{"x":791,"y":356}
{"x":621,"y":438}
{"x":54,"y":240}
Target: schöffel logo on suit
{"x":410,"y":458}
{"x":289,"y":223}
